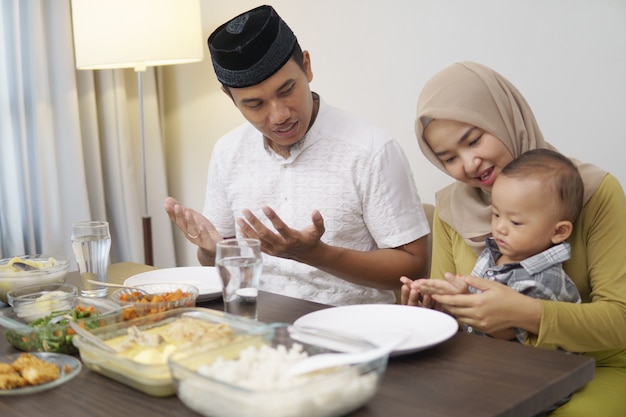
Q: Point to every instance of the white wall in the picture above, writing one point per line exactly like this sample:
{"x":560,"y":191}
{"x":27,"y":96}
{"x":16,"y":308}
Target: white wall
{"x":568,"y":57}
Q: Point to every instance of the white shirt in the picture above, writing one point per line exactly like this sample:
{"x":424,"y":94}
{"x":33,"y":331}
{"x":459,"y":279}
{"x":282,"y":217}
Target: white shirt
{"x":353,"y":173}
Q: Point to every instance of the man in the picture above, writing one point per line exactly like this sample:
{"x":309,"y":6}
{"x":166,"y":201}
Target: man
{"x":296,"y":155}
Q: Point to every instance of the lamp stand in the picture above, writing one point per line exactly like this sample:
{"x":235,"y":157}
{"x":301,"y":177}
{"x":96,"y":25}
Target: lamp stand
{"x":170,"y":35}
{"x":146,"y":221}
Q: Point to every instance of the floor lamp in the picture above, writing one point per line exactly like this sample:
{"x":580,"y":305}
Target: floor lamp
{"x":137,"y":34}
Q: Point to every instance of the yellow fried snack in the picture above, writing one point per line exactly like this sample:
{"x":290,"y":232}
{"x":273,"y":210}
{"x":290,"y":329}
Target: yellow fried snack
{"x":27,"y":369}
{"x":36,"y":371}
{"x":6,"y":368}
{"x":10,"y":381}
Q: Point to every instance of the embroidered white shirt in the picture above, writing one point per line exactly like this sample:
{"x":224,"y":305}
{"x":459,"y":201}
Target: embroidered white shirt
{"x":356,"y":175}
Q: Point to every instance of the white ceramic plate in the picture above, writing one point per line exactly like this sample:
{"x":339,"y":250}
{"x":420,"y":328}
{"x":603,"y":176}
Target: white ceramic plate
{"x":68,"y":365}
{"x":375,"y":322}
{"x":205,"y":278}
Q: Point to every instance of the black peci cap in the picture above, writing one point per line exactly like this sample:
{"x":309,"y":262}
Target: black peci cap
{"x":250,"y":48}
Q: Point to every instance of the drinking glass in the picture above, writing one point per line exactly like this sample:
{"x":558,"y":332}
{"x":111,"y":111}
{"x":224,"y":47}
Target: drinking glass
{"x":91,"y":243}
{"x":239,"y":263}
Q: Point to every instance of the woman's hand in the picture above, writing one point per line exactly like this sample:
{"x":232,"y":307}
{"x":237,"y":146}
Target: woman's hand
{"x":497,"y":307}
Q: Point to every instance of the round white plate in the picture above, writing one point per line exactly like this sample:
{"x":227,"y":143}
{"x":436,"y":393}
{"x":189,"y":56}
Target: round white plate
{"x":374,"y":322}
{"x":205,"y":278}
{"x":68,"y":365}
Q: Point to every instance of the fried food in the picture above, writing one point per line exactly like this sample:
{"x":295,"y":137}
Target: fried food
{"x":27,"y":369}
{"x":10,"y":381}
{"x":6,"y":368}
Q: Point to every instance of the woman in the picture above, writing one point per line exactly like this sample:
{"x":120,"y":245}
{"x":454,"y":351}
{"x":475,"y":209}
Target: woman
{"x":470,"y":123}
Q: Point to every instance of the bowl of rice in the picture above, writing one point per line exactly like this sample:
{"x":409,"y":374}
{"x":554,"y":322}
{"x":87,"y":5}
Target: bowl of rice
{"x":251,"y":378}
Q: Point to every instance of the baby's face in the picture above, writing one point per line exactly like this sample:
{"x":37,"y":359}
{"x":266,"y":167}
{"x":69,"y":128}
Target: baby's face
{"x":524,"y":217}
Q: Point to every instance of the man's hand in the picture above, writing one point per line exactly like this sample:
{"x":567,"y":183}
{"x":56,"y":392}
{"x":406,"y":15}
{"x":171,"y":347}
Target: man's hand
{"x":299,"y":245}
{"x":196,"y":228}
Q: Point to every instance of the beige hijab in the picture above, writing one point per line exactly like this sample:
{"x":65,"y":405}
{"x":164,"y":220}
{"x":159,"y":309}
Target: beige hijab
{"x":474,"y":94}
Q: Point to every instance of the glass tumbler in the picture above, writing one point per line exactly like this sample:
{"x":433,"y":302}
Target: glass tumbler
{"x":91,"y":244}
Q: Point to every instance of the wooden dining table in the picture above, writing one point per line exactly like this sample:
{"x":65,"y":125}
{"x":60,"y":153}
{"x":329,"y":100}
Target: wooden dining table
{"x":466,"y":375}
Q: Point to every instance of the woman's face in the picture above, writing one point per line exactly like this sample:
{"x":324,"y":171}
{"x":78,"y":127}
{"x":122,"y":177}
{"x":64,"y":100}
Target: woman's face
{"x":468,"y":154}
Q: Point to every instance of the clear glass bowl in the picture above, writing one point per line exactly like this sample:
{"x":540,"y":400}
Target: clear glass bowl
{"x":49,"y":269}
{"x":146,"y":370}
{"x":27,"y":336}
{"x":136,"y":306}
{"x":35,"y":301}
{"x":248,"y":389}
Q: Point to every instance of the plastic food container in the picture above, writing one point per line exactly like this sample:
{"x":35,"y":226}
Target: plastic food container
{"x":163,"y":297}
{"x":227,"y":382}
{"x":145,"y":368}
{"x":29,"y":336}
{"x":49,"y":269}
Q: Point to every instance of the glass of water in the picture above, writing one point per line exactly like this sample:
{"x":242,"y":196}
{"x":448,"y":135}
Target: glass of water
{"x":91,"y":244}
{"x":239,"y":263}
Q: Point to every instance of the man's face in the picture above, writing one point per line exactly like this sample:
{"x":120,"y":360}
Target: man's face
{"x":281,"y":106}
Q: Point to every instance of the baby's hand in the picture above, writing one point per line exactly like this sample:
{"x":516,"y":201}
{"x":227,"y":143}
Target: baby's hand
{"x":458,"y":281}
{"x":452,"y":285}
{"x":410,"y":294}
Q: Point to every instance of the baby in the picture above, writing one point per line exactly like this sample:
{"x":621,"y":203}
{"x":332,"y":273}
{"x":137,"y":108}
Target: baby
{"x":535,"y":202}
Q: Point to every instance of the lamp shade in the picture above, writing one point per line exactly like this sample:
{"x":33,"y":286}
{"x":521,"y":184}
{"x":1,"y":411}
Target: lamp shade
{"x":136,"y":33}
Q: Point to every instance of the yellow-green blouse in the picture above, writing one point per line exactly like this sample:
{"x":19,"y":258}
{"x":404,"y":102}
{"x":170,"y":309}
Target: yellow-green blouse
{"x":596,"y":327}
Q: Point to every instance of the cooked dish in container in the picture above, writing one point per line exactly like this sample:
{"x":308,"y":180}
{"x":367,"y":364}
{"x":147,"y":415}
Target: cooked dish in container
{"x":141,"y":347}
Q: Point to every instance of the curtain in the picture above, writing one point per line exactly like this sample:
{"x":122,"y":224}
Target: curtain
{"x":69,"y":142}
